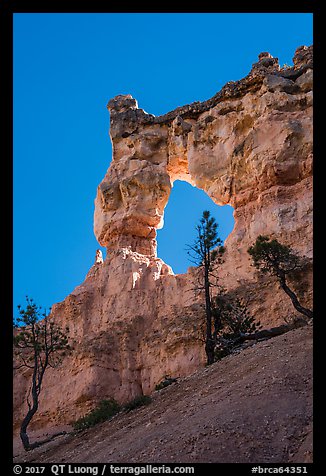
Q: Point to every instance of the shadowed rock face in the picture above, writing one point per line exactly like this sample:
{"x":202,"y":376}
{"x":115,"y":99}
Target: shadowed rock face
{"x":132,"y":320}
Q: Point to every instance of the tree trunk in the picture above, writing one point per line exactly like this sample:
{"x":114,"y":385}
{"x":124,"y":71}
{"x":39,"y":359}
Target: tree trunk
{"x":209,"y":349}
{"x":24,"y":425}
{"x":306,"y":312}
{"x":209,"y":342}
{"x":36,"y":388}
{"x":37,"y":444}
{"x":273,"y":332}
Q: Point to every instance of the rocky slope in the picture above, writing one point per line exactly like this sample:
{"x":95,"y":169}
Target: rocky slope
{"x":132,"y":320}
{"x":255,"y":406}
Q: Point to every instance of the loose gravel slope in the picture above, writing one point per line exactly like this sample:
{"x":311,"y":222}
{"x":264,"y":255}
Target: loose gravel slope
{"x":253,"y":406}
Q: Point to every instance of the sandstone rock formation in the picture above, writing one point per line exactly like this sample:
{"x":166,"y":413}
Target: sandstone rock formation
{"x":98,"y":257}
{"x":132,"y":320}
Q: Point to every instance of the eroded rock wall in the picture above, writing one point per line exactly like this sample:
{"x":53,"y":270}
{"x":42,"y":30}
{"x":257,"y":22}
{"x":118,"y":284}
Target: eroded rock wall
{"x":132,"y":320}
{"x":249,"y":146}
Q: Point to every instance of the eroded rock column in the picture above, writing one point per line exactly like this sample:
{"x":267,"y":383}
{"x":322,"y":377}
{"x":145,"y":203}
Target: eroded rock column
{"x":131,"y":198}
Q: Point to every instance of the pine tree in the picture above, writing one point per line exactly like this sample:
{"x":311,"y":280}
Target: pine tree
{"x":205,"y":253}
{"x":38,"y":344}
{"x":270,"y":256}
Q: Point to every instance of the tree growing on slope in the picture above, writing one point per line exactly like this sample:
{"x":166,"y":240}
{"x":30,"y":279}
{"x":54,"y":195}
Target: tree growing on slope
{"x":206,"y":252}
{"x":270,"y":256}
{"x":236,"y":322}
{"x":38,"y":344}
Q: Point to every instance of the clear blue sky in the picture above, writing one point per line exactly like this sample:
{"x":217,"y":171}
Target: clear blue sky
{"x":66,"y":68}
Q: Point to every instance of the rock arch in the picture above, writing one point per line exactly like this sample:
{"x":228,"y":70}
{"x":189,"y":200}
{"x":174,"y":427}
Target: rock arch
{"x":131,"y":320}
{"x":249,"y":146}
{"x":184,"y":209}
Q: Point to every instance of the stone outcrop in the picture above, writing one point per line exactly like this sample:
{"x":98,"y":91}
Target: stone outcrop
{"x":132,"y":320}
{"x":249,"y":146}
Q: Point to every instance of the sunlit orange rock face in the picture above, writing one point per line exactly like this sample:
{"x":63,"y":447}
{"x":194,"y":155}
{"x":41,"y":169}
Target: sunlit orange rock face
{"x":132,"y":320}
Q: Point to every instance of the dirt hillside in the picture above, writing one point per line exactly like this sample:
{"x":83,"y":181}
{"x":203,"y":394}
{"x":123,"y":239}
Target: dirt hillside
{"x":253,"y":406}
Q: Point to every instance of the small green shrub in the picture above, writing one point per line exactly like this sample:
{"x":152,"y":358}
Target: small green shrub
{"x":105,"y":410}
{"x":220,"y":353}
{"x":165,"y":383}
{"x":137,"y":402}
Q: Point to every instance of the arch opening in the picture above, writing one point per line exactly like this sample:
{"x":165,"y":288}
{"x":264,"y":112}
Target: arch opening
{"x":182,"y":213}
